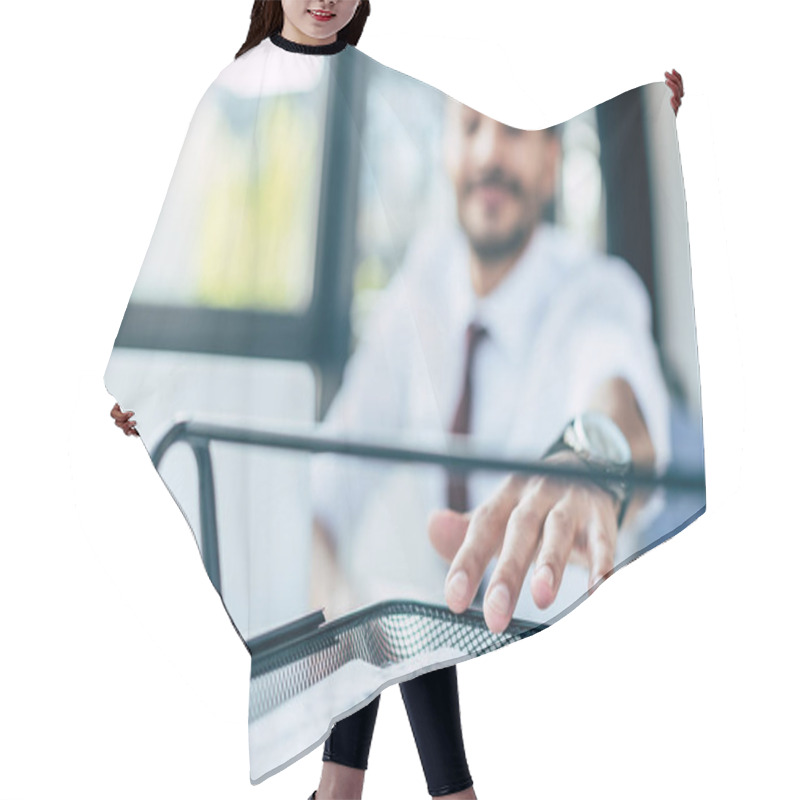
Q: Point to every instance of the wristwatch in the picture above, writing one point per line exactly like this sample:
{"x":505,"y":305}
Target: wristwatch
{"x":598,"y":441}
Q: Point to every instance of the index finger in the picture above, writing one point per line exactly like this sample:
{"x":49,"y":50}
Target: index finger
{"x":522,"y":540}
{"x":483,"y":538}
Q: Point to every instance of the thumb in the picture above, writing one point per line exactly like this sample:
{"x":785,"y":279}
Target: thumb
{"x":447,"y":530}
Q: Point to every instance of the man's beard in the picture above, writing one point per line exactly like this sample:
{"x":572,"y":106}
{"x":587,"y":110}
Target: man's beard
{"x":496,"y":248}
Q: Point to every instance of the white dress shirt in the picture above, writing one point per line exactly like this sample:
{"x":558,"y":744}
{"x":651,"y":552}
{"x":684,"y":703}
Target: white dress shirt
{"x":561,"y":322}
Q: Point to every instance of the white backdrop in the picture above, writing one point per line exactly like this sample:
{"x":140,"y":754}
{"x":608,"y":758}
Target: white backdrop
{"x":123,"y":677}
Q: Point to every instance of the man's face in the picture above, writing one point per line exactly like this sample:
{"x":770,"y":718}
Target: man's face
{"x":502,"y":177}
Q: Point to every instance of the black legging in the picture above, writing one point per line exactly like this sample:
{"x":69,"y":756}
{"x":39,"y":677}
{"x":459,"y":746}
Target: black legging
{"x":433,"y":711}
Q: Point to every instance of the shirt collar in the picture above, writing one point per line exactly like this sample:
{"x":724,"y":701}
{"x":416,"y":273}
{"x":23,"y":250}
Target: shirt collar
{"x":506,"y":310}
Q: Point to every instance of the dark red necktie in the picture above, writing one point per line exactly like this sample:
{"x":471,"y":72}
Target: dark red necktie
{"x":457,"y":498}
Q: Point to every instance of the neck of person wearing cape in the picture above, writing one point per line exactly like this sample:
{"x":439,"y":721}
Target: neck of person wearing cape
{"x":279,"y":40}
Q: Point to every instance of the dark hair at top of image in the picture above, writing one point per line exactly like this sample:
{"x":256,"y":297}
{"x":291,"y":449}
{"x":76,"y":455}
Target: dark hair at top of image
{"x":266,"y":18}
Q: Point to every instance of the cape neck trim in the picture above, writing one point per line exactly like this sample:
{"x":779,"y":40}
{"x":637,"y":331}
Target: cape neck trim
{"x":310,"y":49}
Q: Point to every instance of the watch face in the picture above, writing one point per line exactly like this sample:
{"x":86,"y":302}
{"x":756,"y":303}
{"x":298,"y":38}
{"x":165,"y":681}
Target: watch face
{"x":602,"y":439}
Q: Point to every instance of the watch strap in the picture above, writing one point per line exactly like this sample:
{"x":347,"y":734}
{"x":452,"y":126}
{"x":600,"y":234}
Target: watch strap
{"x":614,"y":484}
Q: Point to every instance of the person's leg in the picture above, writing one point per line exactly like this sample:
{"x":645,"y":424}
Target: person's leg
{"x":435,"y":716}
{"x":346,"y":753}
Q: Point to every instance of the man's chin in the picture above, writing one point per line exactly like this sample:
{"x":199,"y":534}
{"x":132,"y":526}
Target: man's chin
{"x":494,"y":247}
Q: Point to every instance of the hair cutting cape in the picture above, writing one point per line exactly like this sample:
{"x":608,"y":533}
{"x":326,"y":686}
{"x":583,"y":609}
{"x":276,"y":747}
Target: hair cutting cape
{"x":294,"y":351}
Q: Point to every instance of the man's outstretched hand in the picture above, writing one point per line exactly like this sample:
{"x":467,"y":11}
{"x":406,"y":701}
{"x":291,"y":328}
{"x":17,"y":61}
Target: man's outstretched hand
{"x":675,"y":82}
{"x":549,"y":519}
{"x":123,"y":420}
